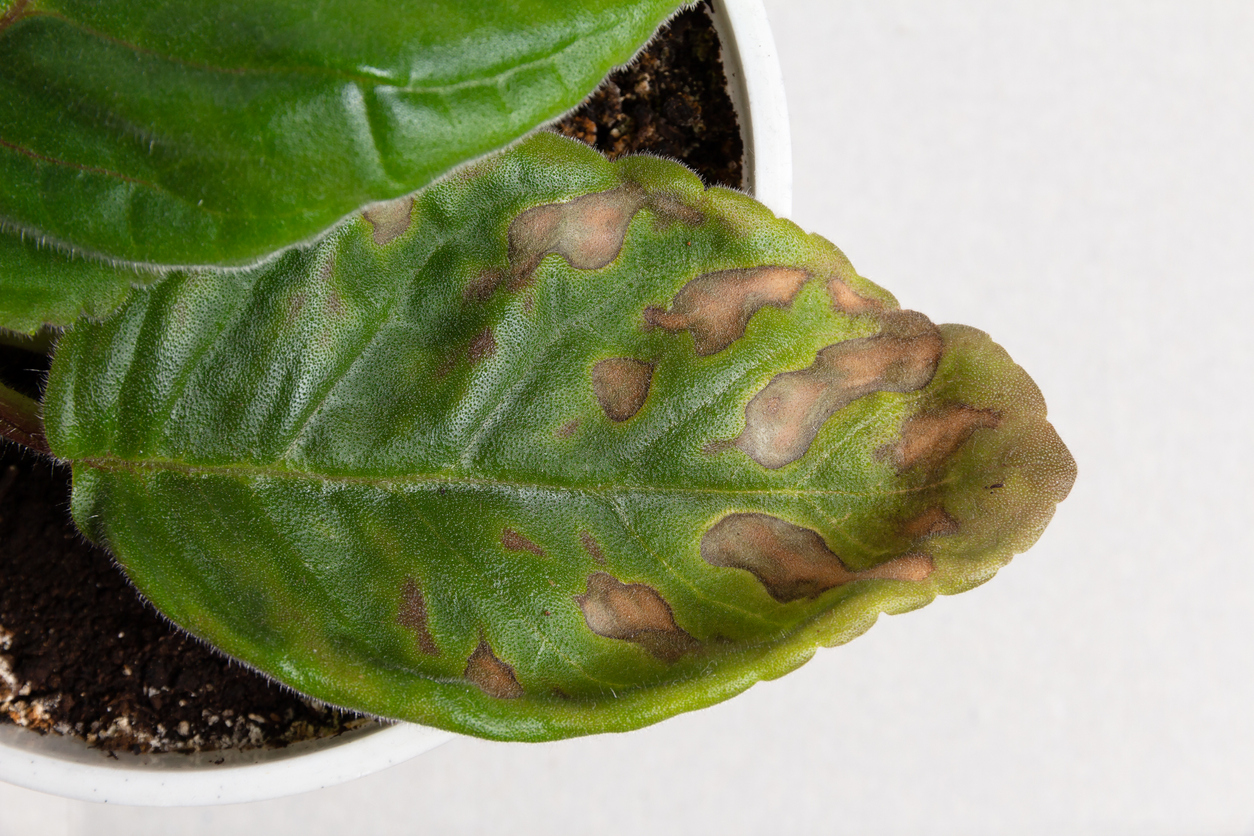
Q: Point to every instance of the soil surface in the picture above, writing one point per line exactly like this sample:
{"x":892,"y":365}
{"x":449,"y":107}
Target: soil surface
{"x":80,"y":652}
{"x":672,"y":101}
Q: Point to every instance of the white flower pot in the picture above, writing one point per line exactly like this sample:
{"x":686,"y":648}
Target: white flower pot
{"x":66,"y":766}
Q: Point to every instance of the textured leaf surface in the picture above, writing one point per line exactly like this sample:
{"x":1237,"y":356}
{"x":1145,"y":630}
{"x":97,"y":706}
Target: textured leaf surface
{"x":218,"y":132}
{"x":475,"y":463}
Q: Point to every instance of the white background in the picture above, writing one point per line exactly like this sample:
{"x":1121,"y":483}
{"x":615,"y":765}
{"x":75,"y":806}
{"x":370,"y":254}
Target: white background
{"x":1077,"y":179}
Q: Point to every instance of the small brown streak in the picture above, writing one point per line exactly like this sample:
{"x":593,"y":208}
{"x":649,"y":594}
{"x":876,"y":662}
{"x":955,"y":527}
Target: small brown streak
{"x":333,"y":306}
{"x":635,"y":613}
{"x":592,"y":547}
{"x":515,"y":542}
{"x":446,"y":368}
{"x":494,"y":677}
{"x":934,"y":522}
{"x":716,"y":307}
{"x":521,"y":277}
{"x":790,"y":561}
{"x":294,"y":306}
{"x":482,"y":286}
{"x":76,"y":166}
{"x":930,"y":438}
{"x":568,"y":429}
{"x":621,"y":386}
{"x":482,"y":346}
{"x":413,"y":615}
{"x":390,"y":219}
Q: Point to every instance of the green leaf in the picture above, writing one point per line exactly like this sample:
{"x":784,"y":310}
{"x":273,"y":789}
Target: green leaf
{"x":42,"y":285}
{"x":480,"y":463}
{"x":219,"y":132}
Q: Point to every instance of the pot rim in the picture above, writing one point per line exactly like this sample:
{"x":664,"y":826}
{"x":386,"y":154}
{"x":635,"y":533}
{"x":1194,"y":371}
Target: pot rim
{"x":66,"y":766}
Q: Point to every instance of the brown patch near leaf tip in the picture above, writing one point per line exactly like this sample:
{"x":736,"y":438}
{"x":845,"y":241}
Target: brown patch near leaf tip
{"x":934,"y":522}
{"x":783,"y":419}
{"x":592,"y":547}
{"x":846,"y":300}
{"x":515,"y":542}
{"x":635,"y":613}
{"x":494,"y":677}
{"x":716,"y":307}
{"x":568,"y":429}
{"x":413,"y":615}
{"x":621,"y":385}
{"x":930,"y":438}
{"x":793,"y":562}
{"x":389,"y":220}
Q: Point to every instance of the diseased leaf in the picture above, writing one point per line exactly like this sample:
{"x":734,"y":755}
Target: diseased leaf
{"x":560,"y":447}
{"x":218,"y":132}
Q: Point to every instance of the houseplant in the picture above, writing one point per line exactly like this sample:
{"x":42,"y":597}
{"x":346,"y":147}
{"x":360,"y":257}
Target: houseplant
{"x":895,"y":344}
{"x":65,"y":767}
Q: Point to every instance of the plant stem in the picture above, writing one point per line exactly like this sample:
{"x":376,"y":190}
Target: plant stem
{"x":20,"y":421}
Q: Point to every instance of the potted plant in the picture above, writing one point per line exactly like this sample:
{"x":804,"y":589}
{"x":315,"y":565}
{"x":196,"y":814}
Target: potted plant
{"x":65,"y":766}
{"x":741,"y":358}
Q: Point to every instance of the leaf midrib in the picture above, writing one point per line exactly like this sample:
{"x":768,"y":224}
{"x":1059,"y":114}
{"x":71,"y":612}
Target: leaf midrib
{"x":118,"y":464}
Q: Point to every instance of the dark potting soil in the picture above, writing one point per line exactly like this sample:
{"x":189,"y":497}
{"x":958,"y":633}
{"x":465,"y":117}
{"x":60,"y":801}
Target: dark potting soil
{"x":672,"y":101}
{"x":81,"y":654}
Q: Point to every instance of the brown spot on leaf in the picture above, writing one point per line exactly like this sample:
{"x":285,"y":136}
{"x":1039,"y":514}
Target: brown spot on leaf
{"x":482,"y":286}
{"x":670,"y":209}
{"x":621,"y":385}
{"x":389,"y":220}
{"x":592,"y":547}
{"x":846,"y":300}
{"x":930,"y":438}
{"x":333,"y":305}
{"x":782,"y":420}
{"x":934,"y":522}
{"x":413,"y":615}
{"x":588,"y":231}
{"x":793,"y":562}
{"x":568,"y":429}
{"x":494,"y":677}
{"x":482,"y":346}
{"x":633,"y":612}
{"x":295,"y":305}
{"x":515,"y":542}
{"x":716,"y":307}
